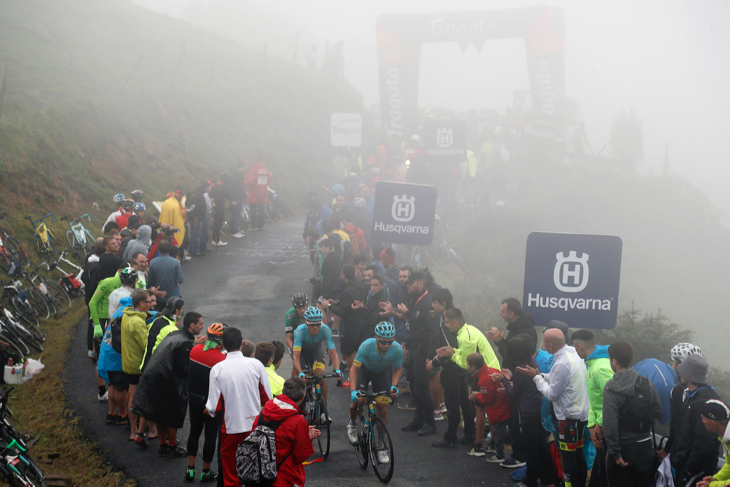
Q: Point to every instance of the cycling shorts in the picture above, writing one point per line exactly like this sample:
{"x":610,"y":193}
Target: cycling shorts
{"x":133,"y":379}
{"x":381,"y":381}
{"x":118,"y":380}
{"x":571,"y":434}
{"x":312,"y":358}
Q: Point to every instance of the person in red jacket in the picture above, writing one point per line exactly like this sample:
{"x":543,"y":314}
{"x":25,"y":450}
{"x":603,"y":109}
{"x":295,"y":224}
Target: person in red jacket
{"x":489,"y":399}
{"x":293,"y":436}
{"x":257,"y":181}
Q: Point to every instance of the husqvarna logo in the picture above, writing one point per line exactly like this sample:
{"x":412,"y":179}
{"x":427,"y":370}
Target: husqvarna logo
{"x":444,"y":137}
{"x":571,"y":273}
{"x":403,"y":208}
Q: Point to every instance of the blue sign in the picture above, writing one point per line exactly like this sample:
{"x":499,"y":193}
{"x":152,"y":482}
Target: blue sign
{"x":445,"y":140}
{"x":404,"y":213}
{"x":573,"y":279}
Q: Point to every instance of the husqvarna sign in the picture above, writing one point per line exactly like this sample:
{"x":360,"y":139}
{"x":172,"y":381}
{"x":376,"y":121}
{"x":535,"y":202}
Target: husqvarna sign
{"x":445,"y":140}
{"x":572,"y":278}
{"x":404,"y":213}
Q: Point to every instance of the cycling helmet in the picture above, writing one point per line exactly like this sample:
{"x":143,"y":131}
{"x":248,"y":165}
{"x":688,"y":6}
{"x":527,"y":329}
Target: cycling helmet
{"x":385,"y":329}
{"x":225,"y":174}
{"x":681,"y":351}
{"x":313,"y":315}
{"x":140,"y":207}
{"x":137,"y":195}
{"x":359,"y":202}
{"x":128,"y":204}
{"x":338,"y":189}
{"x":299,"y":300}
{"x":215,"y":332}
{"x":118,"y":198}
{"x":375,"y":171}
{"x":128,"y":276}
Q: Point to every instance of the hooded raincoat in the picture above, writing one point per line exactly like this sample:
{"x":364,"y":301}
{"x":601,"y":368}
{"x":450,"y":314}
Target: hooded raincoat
{"x":599,"y":372}
{"x":139,"y":244}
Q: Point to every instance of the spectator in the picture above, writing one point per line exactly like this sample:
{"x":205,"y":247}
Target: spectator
{"x":128,"y":280}
{"x":206,"y":220}
{"x":219,"y":194}
{"x":630,"y":404}
{"x":241,"y":383}
{"x":387,"y":258}
{"x":90,"y":278}
{"x":488,"y":399}
{"x":236,"y":193}
{"x":139,"y":244}
{"x":694,"y":452}
{"x":109,"y":368}
{"x":293,"y":436}
{"x":134,"y":339}
{"x":316,"y":213}
{"x":715,"y":415}
{"x":129,"y":233}
{"x":278,"y":356}
{"x":264,"y":353}
{"x":110,"y":229}
{"x":164,"y":324}
{"x":197,"y":216}
{"x":202,"y":358}
{"x":171,"y":213}
{"x":600,"y":372}
{"x":109,"y":261}
{"x":330,"y":267}
{"x":456,"y":395}
{"x":565,"y":387}
{"x":356,"y":234}
{"x":352,"y":317}
{"x":524,"y":393}
{"x":162,"y":396}
{"x":377,"y":297}
{"x":257,"y":181}
{"x":165,"y":272}
{"x":678,"y":353}
{"x":441,"y":302}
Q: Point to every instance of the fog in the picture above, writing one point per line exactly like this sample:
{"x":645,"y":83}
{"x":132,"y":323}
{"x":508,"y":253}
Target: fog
{"x":665,"y":60}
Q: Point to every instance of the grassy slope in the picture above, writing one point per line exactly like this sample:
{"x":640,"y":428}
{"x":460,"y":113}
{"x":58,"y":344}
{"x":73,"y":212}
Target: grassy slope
{"x":70,"y":136}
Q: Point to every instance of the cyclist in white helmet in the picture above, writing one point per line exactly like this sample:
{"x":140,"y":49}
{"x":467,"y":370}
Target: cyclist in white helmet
{"x":679,"y":354}
{"x":118,"y":200}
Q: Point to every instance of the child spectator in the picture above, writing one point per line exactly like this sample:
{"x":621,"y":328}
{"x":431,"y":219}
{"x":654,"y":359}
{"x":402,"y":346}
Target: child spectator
{"x":491,"y":400}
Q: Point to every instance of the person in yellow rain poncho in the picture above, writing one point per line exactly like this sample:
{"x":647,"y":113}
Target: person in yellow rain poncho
{"x":172,"y":212}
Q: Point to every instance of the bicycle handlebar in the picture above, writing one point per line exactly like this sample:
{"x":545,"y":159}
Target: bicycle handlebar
{"x":71,"y":222}
{"x":325,"y":376}
{"x":41,"y":219}
{"x":374,"y":394}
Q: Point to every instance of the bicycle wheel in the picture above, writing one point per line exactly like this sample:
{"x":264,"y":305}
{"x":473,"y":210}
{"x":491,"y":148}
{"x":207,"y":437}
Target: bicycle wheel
{"x":322,"y":423}
{"x":14,"y":340}
{"x":25,"y":311}
{"x":27,"y":473}
{"x":60,"y":297}
{"x":381,"y":446}
{"x":89,"y":241}
{"x":5,"y":259}
{"x":272,"y":212}
{"x":17,"y":250}
{"x":6,"y":340}
{"x":76,"y":247}
{"x":37,"y":300}
{"x":23,"y":333}
{"x":361,"y":449}
{"x":40,"y":246}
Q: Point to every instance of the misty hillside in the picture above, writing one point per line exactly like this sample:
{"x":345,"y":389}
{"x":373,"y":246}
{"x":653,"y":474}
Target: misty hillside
{"x":106,"y":96}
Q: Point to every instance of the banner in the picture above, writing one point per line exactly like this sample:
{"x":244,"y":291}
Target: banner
{"x":572,"y":278}
{"x":404,"y":213}
{"x":346,"y":130}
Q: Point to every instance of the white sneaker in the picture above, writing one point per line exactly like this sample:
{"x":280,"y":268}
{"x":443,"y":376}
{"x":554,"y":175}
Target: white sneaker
{"x":238,"y":235}
{"x":438,"y":416}
{"x":187,"y":257}
{"x":222,"y":244}
{"x":103,"y":398}
{"x":383,"y":457}
{"x":351,"y":433}
{"x":442,"y":408}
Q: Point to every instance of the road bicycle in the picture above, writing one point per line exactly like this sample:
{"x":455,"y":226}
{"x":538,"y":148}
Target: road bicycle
{"x":53,"y":295}
{"x":70,"y":282}
{"x":79,"y":238}
{"x":276,"y":208}
{"x":28,"y":303}
{"x":16,"y":465}
{"x":373,"y":439}
{"x":44,"y":240}
{"x":315,"y":409}
{"x":21,"y":335}
{"x":11,"y":250}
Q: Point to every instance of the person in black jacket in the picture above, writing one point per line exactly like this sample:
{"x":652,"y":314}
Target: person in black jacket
{"x":90,"y":278}
{"x":352,"y":317}
{"x":518,"y":323}
{"x":694,"y":452}
{"x":421,"y":341}
{"x":219,"y":195}
{"x":162,"y":394}
{"x":331,"y":267}
{"x":196,"y":217}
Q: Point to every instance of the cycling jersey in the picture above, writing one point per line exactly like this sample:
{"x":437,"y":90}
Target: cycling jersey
{"x":304,"y":341}
{"x":292,"y":321}
{"x":369,"y":357}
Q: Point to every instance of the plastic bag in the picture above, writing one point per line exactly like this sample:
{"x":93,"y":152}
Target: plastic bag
{"x":33,"y":366}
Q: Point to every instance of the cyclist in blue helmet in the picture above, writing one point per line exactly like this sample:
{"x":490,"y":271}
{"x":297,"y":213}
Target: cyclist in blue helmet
{"x":308,"y":353}
{"x":338,"y":189}
{"x":372,"y":365}
{"x":139,"y":210}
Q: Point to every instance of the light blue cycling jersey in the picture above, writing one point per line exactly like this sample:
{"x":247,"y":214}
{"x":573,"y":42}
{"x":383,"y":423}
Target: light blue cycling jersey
{"x":303,"y":340}
{"x":369,"y":357}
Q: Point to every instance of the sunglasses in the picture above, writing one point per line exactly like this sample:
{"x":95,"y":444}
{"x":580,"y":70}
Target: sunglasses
{"x":314,"y":324}
{"x":385,"y":343}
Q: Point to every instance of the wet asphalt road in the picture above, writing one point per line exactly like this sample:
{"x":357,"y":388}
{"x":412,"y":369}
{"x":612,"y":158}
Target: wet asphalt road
{"x":249,"y":284}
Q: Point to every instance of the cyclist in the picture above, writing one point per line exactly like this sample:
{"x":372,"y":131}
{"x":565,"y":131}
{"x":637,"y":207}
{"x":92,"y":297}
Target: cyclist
{"x":118,"y":199}
{"x":137,"y":195}
{"x":127,"y":209}
{"x":294,"y":318}
{"x":139,"y":209}
{"x":372,"y":365}
{"x":308,"y":340}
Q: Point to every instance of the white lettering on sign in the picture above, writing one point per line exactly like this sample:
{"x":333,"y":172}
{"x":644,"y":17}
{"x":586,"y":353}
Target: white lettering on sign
{"x":346,"y":130}
{"x":571,"y":279}
{"x":395,"y":103}
{"x":393,"y":228}
{"x":403,"y":209}
{"x":545,"y":85}
{"x":568,"y":304}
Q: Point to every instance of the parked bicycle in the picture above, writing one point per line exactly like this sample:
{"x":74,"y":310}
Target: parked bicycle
{"x":16,"y":465}
{"x":79,"y":238}
{"x":53,"y":294}
{"x":315,"y":408}
{"x":44,"y":240}
{"x":69,"y":281}
{"x":28,"y":303}
{"x":373,"y":439}
{"x":11,"y":250}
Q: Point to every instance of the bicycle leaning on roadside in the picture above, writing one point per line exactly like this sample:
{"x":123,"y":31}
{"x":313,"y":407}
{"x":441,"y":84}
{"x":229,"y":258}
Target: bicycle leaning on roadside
{"x":17,"y":467}
{"x":80,"y":239}
{"x":11,"y":250}
{"x":44,"y":240}
{"x":315,"y":409}
{"x":373,"y":439}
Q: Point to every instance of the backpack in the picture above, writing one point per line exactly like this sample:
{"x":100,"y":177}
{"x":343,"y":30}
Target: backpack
{"x":116,"y":332}
{"x":354,"y":241}
{"x":256,"y":455}
{"x":637,"y":413}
